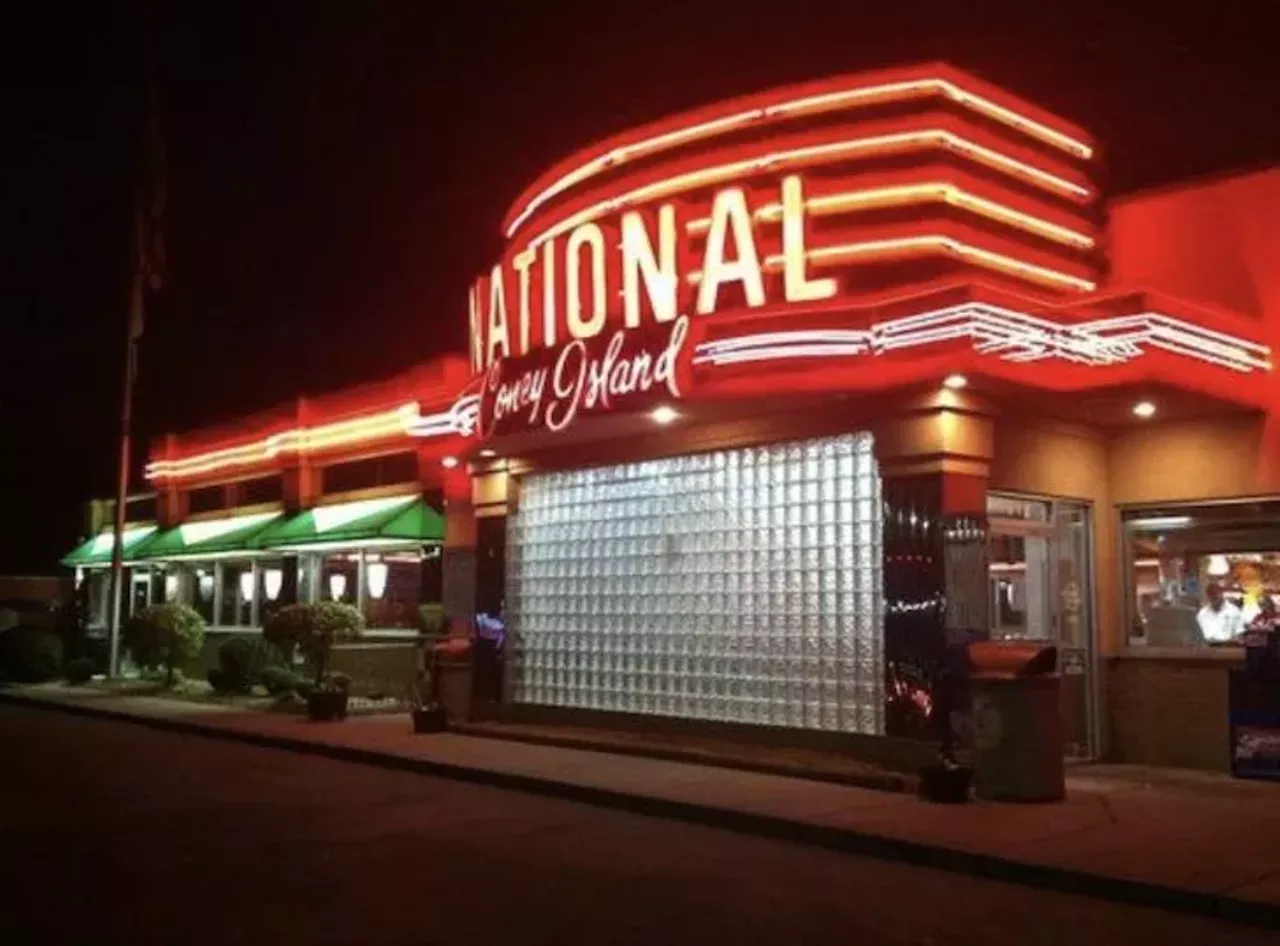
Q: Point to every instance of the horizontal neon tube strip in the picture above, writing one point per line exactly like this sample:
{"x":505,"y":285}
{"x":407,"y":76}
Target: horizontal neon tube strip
{"x":1005,"y":333}
{"x":298,"y":440}
{"x":826,"y":101}
{"x":905,"y":195}
{"x":809,"y":155}
{"x":933,"y":243}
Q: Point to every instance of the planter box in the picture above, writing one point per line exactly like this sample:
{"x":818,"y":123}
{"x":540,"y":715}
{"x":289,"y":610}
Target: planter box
{"x":326,"y":707}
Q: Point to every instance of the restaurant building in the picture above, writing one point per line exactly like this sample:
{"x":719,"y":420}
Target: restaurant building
{"x":770,"y":406}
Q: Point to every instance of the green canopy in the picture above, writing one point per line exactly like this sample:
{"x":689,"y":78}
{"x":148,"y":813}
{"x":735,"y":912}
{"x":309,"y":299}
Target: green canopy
{"x":387,"y":519}
{"x":97,"y":551}
{"x":210,"y":536}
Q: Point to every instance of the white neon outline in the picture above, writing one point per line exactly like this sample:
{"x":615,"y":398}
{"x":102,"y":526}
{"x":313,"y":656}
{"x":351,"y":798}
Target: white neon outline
{"x":846,"y":201}
{"x":735,"y":170}
{"x":827,"y":100}
{"x":1006,"y":333}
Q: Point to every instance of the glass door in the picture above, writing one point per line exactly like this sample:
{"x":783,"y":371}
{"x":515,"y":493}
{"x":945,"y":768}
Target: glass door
{"x":1040,"y":586}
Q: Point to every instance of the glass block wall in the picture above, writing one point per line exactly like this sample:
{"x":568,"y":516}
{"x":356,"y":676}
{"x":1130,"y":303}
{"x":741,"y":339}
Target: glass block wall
{"x":742,"y":586}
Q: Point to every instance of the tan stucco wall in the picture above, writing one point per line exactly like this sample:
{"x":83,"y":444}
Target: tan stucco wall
{"x":1192,"y":460}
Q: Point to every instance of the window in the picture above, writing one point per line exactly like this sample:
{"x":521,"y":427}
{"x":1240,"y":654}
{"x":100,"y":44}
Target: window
{"x":264,"y":489}
{"x":237,"y":595}
{"x":277,"y":586}
{"x":340,"y":577}
{"x":205,"y":499}
{"x":140,"y":509}
{"x":375,"y":471}
{"x":1201,"y":575}
{"x":393,"y":589}
{"x":196,"y":586}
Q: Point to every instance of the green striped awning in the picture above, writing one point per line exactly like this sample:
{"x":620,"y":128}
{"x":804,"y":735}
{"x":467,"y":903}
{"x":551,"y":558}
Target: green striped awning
{"x":383,"y":520}
{"x":210,"y":536}
{"x":97,"y":551}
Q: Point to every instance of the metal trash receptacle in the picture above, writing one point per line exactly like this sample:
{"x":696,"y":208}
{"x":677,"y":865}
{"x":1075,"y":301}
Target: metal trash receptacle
{"x":1017,"y":722}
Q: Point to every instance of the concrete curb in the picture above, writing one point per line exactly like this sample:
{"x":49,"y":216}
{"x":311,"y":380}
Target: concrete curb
{"x":987,"y":866}
{"x":887,"y":782}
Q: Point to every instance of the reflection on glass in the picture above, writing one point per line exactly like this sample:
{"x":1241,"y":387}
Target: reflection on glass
{"x":393,"y":589}
{"x":1204,"y":576}
{"x":237,"y":595}
{"x":741,"y":585}
{"x":339,"y":577}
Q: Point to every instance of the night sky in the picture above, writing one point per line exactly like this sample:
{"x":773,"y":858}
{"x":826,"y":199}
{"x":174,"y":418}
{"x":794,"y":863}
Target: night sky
{"x":338,"y":172}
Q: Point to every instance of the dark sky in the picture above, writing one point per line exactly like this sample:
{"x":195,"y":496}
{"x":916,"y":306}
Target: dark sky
{"x":338,"y":171}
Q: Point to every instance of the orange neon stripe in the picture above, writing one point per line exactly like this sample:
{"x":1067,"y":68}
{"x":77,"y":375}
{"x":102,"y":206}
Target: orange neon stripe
{"x":827,"y":101}
{"x":297,"y":440}
{"x":918,"y":193}
{"x":907,"y":246}
{"x":808,"y":155}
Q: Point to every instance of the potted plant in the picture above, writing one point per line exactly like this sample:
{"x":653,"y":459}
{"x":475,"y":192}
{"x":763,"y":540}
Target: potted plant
{"x":316,"y":630}
{"x":427,"y":712}
{"x":327,"y":699}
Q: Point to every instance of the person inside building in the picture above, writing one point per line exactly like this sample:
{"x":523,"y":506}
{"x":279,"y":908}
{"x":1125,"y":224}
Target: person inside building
{"x":1220,"y":621}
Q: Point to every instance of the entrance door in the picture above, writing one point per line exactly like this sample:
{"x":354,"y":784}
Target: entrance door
{"x":1040,"y":582}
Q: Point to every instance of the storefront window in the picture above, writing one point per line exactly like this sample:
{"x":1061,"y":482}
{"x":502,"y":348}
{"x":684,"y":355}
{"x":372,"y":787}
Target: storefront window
{"x":277,"y":586}
{"x":743,"y":586}
{"x":196,"y":583}
{"x":237,"y":594}
{"x":393,"y":589}
{"x":1204,"y":575}
{"x":340,"y":577}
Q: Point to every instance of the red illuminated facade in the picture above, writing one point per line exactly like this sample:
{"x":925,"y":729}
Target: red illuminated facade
{"x":914,"y":257}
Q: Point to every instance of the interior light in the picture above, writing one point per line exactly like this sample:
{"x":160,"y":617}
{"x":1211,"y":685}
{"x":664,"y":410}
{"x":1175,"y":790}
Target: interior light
{"x":1218,"y":566}
{"x":170,"y":587}
{"x":206,"y":584}
{"x":376,"y":575}
{"x":272,"y":582}
{"x":488,"y":454}
{"x":955,"y":381}
{"x":663,"y":415}
{"x":449,"y":462}
{"x":337,"y":587}
{"x":1144,"y":409}
{"x":246,"y":586}
{"x":1160,"y":522}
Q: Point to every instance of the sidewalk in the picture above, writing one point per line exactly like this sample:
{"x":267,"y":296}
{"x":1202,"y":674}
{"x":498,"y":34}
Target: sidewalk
{"x":1182,"y":841}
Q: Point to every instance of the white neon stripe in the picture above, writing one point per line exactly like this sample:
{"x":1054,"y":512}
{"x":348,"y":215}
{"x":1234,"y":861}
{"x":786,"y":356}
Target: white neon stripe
{"x":1005,"y":333}
{"x":848,"y":252}
{"x":300,"y":440}
{"x":915,"y":193}
{"x":824,"y":101}
{"x":811,"y":154}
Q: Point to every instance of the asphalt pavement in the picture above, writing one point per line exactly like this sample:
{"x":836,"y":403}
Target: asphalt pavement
{"x":114,"y":833}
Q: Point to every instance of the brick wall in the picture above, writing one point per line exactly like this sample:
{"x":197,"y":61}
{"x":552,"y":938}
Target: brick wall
{"x":1168,"y":711}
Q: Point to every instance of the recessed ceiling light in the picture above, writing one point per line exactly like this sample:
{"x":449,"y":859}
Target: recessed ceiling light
{"x":487,"y":453}
{"x":449,"y":462}
{"x":955,"y":381}
{"x":663,"y":415}
{"x":1144,"y":409}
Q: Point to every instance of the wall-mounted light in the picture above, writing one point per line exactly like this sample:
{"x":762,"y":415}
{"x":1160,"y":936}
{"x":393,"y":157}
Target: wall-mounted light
{"x":337,"y":587}
{"x":376,"y":575}
{"x":488,"y":454}
{"x":449,"y":462}
{"x":663,"y":415}
{"x":246,"y":586}
{"x":272,"y":582}
{"x":955,"y":382}
{"x":1144,"y":409}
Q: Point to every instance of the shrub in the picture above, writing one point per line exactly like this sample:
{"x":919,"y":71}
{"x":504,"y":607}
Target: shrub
{"x":164,"y":636}
{"x":279,"y":680}
{"x":314,"y":629}
{"x":30,"y":654}
{"x":80,"y":670}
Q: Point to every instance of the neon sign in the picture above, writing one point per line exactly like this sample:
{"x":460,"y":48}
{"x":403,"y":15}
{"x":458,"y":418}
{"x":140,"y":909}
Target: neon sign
{"x":624,"y":371}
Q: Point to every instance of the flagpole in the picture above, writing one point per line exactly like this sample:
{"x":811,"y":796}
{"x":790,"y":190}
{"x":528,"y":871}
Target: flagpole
{"x":137,"y":299}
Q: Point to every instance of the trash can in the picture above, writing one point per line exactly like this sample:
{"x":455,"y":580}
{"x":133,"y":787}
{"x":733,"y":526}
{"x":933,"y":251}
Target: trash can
{"x":1017,"y":722}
